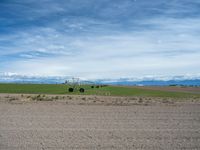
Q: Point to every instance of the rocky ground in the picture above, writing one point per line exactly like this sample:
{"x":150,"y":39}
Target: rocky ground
{"x":39,"y":122}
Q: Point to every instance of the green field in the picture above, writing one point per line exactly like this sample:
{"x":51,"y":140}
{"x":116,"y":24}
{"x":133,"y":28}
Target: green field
{"x":108,"y":90}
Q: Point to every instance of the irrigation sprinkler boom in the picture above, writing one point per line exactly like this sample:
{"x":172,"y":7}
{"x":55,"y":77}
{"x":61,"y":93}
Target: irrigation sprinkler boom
{"x":75,"y":84}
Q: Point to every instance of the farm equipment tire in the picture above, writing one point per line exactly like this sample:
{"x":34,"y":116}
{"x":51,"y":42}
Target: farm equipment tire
{"x":71,"y":89}
{"x":82,"y":90}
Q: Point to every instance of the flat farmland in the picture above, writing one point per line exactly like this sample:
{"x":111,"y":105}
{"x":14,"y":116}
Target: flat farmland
{"x":173,"y":89}
{"x":98,"y":122}
{"x":174,"y":92}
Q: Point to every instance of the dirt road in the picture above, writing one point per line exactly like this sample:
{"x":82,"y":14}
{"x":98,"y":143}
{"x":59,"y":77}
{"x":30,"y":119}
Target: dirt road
{"x":58,"y":126}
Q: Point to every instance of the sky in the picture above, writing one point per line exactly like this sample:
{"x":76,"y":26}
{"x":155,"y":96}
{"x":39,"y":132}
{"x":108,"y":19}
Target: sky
{"x":97,"y":39}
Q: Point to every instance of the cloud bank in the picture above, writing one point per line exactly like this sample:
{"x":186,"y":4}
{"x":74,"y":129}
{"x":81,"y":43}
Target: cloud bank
{"x":100,"y":39}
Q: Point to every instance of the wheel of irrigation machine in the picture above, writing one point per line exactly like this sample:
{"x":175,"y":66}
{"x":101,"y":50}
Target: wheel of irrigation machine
{"x":71,"y":89}
{"x":82,"y":90}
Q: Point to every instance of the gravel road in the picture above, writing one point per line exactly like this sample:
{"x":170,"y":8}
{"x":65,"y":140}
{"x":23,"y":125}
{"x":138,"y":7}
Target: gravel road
{"x":59,"y":126}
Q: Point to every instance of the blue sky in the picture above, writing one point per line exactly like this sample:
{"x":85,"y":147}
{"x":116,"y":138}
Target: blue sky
{"x":96,"y":39}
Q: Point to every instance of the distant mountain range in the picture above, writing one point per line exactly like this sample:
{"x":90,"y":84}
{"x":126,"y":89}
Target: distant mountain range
{"x":145,"y":81}
{"x":186,"y":82}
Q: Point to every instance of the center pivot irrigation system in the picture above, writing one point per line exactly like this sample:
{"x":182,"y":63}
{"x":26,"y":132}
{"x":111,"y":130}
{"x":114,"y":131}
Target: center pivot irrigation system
{"x":75,"y":85}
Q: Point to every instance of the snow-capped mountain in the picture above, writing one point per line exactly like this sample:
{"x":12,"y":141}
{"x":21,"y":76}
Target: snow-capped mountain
{"x":147,"y":80}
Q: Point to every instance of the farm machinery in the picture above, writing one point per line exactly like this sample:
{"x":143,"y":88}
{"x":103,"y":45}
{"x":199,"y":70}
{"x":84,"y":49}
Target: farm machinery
{"x":75,"y":85}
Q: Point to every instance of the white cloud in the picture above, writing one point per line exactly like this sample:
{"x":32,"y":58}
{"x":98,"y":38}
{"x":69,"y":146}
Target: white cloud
{"x":170,"y":48}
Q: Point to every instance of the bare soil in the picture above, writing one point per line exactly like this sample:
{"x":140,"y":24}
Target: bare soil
{"x":91,"y":122}
{"x":173,"y":88}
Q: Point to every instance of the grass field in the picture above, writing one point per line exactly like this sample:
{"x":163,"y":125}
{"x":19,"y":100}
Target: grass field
{"x":108,"y":90}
